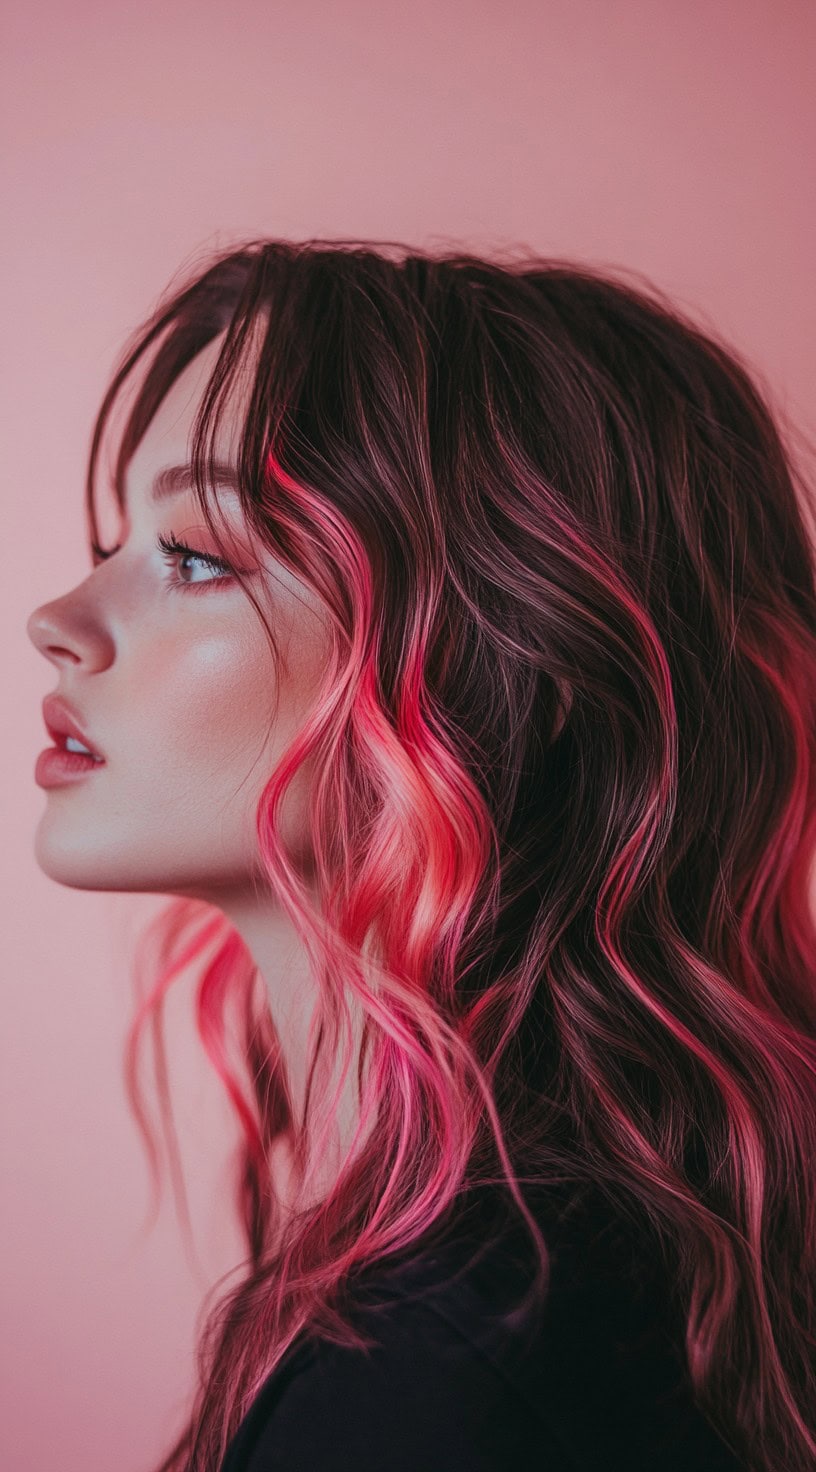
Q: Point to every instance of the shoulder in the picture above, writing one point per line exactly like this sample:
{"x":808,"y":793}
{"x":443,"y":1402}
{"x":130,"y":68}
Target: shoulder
{"x":424,"y":1395}
{"x":593,"y":1377}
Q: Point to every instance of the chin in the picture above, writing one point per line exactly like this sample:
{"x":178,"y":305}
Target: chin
{"x":72,"y":864}
{"x":73,"y":873}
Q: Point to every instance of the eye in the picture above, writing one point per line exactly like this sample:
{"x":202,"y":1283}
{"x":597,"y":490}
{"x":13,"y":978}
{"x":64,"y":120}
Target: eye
{"x":175,"y":551}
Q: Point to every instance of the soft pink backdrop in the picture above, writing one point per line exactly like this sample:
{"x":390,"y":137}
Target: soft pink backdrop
{"x":675,"y":138}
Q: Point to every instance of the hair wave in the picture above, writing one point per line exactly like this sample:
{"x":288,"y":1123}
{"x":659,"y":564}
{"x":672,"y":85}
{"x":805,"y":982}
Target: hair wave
{"x":563,"y":820}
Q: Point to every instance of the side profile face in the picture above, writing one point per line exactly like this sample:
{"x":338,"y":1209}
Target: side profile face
{"x":176,"y":686}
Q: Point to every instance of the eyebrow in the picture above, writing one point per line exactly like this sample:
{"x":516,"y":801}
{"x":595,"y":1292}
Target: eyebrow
{"x":174,"y":479}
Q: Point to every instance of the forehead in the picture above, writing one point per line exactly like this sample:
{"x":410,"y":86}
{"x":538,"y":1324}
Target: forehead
{"x":159,"y":467}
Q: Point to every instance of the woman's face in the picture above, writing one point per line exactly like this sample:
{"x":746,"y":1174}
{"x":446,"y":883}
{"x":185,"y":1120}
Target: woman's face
{"x":175,"y":686}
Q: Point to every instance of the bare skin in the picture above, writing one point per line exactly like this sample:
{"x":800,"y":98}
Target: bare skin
{"x":175,"y":686}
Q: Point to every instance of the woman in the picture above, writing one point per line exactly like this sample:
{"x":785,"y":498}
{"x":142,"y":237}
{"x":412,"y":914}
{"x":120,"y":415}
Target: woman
{"x":454,"y":672}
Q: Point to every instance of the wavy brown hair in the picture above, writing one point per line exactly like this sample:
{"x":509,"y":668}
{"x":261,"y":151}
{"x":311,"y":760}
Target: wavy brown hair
{"x":564,"y":818}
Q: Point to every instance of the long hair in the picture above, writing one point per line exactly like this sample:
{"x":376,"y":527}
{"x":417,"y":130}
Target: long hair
{"x":563,"y":817}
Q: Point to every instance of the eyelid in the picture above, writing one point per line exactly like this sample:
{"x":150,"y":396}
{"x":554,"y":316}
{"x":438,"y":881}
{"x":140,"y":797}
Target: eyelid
{"x":172,"y":549}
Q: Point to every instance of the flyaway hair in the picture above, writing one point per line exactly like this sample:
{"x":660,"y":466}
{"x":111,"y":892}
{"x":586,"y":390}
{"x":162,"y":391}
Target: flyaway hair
{"x":563,"y":820}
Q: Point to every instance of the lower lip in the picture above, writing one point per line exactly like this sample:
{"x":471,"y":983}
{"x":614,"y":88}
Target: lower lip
{"x":55,"y":766}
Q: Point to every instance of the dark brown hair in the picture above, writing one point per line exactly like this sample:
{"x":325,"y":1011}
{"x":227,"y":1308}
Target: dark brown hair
{"x":565,"y":818}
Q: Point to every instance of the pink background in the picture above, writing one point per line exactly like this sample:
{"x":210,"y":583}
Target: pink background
{"x":673,"y":138}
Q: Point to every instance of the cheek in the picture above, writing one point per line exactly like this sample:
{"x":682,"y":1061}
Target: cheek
{"x":207,"y":702}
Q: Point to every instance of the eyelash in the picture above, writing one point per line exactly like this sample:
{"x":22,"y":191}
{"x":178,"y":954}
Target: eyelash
{"x":172,"y":550}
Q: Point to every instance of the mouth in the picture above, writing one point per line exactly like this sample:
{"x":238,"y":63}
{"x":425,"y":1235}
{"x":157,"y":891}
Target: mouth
{"x":66,"y":731}
{"x":58,"y":766}
{"x":63,"y":741}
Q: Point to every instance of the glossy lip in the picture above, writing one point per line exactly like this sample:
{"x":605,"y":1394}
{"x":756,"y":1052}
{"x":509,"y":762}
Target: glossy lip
{"x":61,"y":721}
{"x":57,"y":767}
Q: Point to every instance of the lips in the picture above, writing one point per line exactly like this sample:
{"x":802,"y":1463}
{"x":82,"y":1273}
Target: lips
{"x":61,"y":721}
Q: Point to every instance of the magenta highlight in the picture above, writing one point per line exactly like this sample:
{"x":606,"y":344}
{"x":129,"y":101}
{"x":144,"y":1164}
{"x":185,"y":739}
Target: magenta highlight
{"x":562,"y":827}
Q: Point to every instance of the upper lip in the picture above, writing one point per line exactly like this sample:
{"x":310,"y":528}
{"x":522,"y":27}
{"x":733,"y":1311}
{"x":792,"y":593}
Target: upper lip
{"x":61,"y":721}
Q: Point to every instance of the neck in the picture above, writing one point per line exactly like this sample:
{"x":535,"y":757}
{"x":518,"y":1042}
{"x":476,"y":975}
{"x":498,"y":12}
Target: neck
{"x":292,"y":989}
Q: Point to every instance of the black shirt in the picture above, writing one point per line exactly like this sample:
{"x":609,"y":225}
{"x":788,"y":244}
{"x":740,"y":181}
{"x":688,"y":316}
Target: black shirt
{"x":592,"y":1382}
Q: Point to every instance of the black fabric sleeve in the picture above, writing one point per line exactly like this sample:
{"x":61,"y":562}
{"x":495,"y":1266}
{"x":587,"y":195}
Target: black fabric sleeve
{"x":599,"y":1384}
{"x":424,"y":1399}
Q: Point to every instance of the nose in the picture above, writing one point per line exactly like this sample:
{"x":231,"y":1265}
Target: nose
{"x":65,"y":633}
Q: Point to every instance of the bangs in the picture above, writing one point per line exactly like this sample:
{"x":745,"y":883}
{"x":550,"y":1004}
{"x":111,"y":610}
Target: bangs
{"x":239,"y":298}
